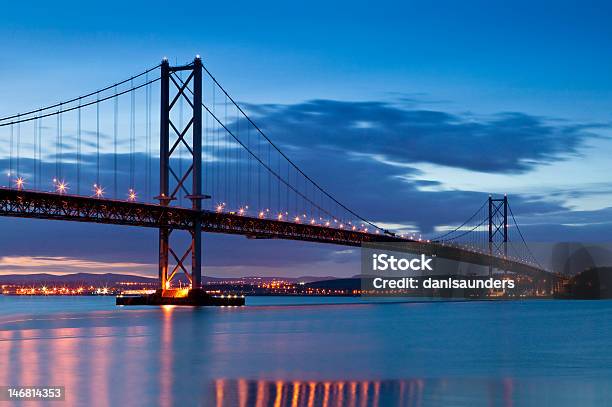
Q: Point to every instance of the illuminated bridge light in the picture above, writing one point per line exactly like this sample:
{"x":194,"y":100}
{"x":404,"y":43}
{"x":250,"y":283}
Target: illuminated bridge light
{"x":280,"y":216}
{"x":297,"y":219}
{"x":312,"y":221}
{"x":132,"y":195}
{"x":19,"y":183}
{"x":98,"y":191}
{"x":261,"y":215}
{"x":61,"y":187}
{"x":241,"y":211}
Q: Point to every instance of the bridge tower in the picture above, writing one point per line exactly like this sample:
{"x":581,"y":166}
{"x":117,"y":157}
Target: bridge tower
{"x":173,"y":182}
{"x":498,"y":227}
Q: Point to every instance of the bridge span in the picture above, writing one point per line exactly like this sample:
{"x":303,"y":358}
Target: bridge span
{"x":75,"y":208}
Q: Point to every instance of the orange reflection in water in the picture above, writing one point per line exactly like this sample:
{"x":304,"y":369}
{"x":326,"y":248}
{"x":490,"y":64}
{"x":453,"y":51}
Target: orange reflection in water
{"x":166,"y":357}
{"x":279,"y":393}
{"x":29,"y":357}
{"x":413,"y":392}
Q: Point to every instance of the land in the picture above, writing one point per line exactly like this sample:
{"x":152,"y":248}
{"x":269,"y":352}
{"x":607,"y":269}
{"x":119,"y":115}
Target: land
{"x":126,"y":284}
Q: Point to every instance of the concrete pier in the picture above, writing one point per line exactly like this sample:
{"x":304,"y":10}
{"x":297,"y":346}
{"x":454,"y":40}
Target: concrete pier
{"x":186,"y":297}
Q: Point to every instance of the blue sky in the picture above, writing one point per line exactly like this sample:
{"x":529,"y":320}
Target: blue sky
{"x":519,"y":94}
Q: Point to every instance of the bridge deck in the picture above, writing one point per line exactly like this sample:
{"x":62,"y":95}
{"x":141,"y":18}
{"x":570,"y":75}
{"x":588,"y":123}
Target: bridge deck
{"x":45,"y":205}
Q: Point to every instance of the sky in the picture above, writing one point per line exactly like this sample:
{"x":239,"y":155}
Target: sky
{"x":410,"y":112}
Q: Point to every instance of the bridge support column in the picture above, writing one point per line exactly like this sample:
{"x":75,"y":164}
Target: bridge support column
{"x":498,"y":228}
{"x":172,"y":181}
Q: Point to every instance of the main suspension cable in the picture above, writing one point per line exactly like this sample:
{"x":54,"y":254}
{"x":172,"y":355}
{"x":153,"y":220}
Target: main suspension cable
{"x":59,"y":104}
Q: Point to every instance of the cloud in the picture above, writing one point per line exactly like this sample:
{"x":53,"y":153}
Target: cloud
{"x":63,"y":264}
{"x":509,"y":142}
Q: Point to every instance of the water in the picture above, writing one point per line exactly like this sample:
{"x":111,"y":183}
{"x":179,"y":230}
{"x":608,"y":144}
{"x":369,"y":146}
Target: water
{"x":311,"y":351}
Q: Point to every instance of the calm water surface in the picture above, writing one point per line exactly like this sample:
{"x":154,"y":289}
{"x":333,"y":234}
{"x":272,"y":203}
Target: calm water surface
{"x":311,"y":351}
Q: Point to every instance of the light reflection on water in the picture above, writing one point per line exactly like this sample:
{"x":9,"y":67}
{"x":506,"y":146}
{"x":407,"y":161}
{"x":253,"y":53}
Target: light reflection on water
{"x":477,"y":353}
{"x":415,"y":392}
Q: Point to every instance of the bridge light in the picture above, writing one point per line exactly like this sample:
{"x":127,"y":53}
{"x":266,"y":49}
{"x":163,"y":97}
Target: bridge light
{"x":241,"y":211}
{"x":19,"y":183}
{"x":98,"y":191}
{"x":61,"y":187}
{"x":220,"y":208}
{"x":261,"y":214}
{"x":297,"y":219}
{"x":132,"y":195}
{"x":327,"y":223}
{"x":280,"y":216}
{"x":312,"y":221}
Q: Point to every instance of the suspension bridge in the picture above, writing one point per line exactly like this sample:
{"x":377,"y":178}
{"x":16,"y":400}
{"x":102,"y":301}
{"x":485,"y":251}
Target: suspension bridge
{"x":210,"y":168}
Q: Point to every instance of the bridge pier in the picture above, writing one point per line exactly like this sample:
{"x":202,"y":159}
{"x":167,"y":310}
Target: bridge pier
{"x":190,"y":90}
{"x":194,"y":294}
{"x":498,"y":227}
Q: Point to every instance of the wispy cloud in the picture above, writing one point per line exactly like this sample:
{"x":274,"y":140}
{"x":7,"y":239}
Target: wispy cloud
{"x":60,"y":264}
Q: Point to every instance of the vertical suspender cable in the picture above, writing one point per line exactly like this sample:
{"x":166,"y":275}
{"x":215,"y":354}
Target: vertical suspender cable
{"x":225,"y":147}
{"x":249,"y":163}
{"x":132,"y":136}
{"x":149,"y":142}
{"x":10,"y":172}
{"x":79,"y":151}
{"x":57,"y":146}
{"x":115,"y":136}
{"x":239,"y":202}
{"x":34,"y":150}
{"x":40,"y":164}
{"x":18,"y":150}
{"x":98,"y":142}
{"x":147,"y":138}
{"x":216,"y":147}
{"x":61,"y":145}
